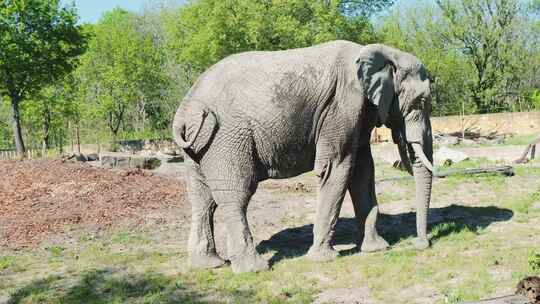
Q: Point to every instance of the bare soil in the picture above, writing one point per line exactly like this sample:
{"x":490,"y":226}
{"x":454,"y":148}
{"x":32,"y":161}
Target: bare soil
{"x":51,"y":201}
{"x":41,"y":199}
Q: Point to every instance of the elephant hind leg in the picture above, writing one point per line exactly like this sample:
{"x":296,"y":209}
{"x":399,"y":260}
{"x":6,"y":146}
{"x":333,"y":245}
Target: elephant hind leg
{"x":240,"y":248}
{"x":201,"y":245}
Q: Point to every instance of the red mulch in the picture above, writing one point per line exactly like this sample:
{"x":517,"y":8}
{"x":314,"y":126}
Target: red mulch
{"x":42,"y":198}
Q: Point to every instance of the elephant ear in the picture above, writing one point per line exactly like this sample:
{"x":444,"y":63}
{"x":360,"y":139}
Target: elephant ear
{"x":376,"y":73}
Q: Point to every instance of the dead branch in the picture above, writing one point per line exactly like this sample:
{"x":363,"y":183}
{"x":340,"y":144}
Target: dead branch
{"x":514,"y":299}
{"x":530,"y":147}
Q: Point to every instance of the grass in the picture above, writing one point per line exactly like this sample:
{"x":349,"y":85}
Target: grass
{"x":515,"y":140}
{"x":520,"y":139}
{"x":485,"y":238}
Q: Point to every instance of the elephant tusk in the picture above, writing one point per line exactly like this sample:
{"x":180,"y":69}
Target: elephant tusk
{"x":405,"y":159}
{"x":420,"y":153}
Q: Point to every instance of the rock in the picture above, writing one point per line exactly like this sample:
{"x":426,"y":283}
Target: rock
{"x":445,"y":140}
{"x":151,"y":163}
{"x":92,"y":157}
{"x":107,"y":161}
{"x":81,"y":157}
{"x":122,"y":161}
{"x":447,"y":155}
{"x":137,"y":162}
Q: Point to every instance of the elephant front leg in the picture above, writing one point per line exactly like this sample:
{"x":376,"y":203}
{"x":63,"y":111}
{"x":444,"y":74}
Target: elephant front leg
{"x":201,"y":245}
{"x":364,"y":199}
{"x":240,"y":247}
{"x":332,"y":187}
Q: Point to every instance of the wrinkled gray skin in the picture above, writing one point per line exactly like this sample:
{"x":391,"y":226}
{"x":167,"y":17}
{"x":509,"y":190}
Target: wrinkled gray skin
{"x":260,"y":115}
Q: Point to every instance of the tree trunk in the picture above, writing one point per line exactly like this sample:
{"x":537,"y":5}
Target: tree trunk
{"x":46,"y":131}
{"x":78,"y":137}
{"x":114,"y":141}
{"x":17,"y":132}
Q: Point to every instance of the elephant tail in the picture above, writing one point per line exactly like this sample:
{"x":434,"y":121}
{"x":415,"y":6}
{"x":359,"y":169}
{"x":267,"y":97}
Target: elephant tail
{"x":192,"y":128}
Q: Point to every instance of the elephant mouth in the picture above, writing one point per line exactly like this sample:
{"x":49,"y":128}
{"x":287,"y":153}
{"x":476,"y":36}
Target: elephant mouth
{"x":409,"y":152}
{"x":419,"y":152}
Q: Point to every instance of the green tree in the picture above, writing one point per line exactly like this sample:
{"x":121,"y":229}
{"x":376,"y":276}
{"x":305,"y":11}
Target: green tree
{"x":40,"y":42}
{"x":467,"y":75}
{"x":365,"y":8}
{"x":205,"y":31}
{"x":418,"y":29}
{"x":121,"y":72}
{"x":486,"y":33}
{"x":50,"y":110}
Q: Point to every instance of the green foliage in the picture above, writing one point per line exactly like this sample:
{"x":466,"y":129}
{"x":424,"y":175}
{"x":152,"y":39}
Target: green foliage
{"x":121,"y":72}
{"x":417,"y":30}
{"x":40,"y":43}
{"x":137,"y":67}
{"x":6,"y":261}
{"x":206,"y":31}
{"x":534,"y":262}
{"x":482,"y":56}
{"x":535,"y":99}
{"x":48,"y":112}
{"x":484,"y":32}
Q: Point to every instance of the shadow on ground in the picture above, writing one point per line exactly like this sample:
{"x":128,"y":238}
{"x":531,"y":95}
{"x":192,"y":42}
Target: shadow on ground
{"x":294,"y":242}
{"x":107,"y":286}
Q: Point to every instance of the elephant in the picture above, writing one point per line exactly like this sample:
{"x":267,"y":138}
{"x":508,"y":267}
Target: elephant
{"x":277,"y":114}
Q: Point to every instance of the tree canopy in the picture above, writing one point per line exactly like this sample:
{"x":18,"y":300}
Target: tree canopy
{"x":40,"y":42}
{"x":482,"y":55}
{"x":205,"y":31}
{"x":124,"y":76}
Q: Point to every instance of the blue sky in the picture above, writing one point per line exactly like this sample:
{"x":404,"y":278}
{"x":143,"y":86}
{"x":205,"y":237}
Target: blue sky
{"x":91,"y":10}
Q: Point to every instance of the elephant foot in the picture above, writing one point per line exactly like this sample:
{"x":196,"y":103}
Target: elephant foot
{"x":420,"y":243}
{"x":322,"y":253}
{"x":374,"y":244}
{"x":249,"y":263}
{"x":205,"y":261}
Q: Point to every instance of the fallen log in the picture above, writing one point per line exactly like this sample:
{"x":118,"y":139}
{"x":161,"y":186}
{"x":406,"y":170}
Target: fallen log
{"x":502,"y":170}
{"x":514,"y":299}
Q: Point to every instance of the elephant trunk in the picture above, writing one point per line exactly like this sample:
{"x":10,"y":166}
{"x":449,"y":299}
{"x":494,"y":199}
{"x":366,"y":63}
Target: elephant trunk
{"x":423,"y":175}
{"x":423,"y":179}
{"x":415,"y":146}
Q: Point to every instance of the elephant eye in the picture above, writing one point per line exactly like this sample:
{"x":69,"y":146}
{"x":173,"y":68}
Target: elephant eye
{"x":418,"y":104}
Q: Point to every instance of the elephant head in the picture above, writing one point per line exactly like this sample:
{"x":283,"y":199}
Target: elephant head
{"x":397,"y":83}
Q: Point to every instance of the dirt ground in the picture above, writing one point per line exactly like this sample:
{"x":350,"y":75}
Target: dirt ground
{"x":53,"y":202}
{"x":45,"y":199}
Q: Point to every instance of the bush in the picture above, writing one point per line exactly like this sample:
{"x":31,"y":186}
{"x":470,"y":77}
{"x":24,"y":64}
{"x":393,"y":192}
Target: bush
{"x":534,"y":261}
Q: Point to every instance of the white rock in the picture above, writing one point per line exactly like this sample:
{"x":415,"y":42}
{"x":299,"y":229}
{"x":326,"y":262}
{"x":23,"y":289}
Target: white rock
{"x":446,"y":153}
{"x":445,"y":140}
